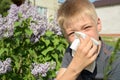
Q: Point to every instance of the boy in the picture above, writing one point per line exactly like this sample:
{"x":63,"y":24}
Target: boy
{"x":80,"y":16}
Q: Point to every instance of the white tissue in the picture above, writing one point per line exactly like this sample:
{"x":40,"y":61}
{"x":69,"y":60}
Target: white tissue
{"x":75,"y":44}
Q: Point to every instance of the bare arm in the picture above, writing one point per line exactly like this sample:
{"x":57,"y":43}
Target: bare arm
{"x":85,"y":55}
{"x":67,"y":74}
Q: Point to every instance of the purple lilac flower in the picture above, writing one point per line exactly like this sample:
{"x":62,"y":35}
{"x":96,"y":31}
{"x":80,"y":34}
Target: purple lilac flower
{"x":39,"y":23}
{"x":1,"y":20}
{"x":1,"y":29}
{"x":8,"y":29}
{"x":42,"y":69}
{"x":5,"y":66}
{"x":13,"y":13}
{"x":53,"y":26}
{"x":7,"y":25}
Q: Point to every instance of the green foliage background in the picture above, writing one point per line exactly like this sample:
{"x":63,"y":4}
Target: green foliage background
{"x":23,"y":52}
{"x":4,"y":6}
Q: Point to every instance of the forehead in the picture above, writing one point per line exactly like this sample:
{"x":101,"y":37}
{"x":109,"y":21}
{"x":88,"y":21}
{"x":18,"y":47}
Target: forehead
{"x":77,"y":20}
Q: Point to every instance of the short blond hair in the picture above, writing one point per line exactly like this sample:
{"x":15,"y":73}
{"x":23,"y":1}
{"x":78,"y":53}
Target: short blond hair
{"x":71,"y":8}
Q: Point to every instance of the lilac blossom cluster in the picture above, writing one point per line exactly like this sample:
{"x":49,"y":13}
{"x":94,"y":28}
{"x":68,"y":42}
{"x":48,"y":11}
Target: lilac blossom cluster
{"x":53,"y":26}
{"x":5,"y":66}
{"x":39,"y":23}
{"x":42,"y":69}
{"x":7,"y":23}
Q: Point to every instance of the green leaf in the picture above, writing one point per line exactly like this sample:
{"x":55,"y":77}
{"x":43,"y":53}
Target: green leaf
{"x":17,"y":33}
{"x":27,"y":40}
{"x":55,"y":56}
{"x":17,"y":42}
{"x":2,"y":51}
{"x":44,"y":52}
{"x":17,"y":24}
{"x":19,"y":15}
{"x":33,"y":53}
{"x":49,"y":33}
{"x":28,"y":31}
{"x":46,"y":41}
{"x":55,"y":42}
{"x":60,"y":47}
{"x":47,"y":58}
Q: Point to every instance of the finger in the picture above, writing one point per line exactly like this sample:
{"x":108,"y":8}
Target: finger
{"x":93,"y":58}
{"x":85,"y":41}
{"x":85,"y":46}
{"x":92,"y":51}
{"x":88,"y":45}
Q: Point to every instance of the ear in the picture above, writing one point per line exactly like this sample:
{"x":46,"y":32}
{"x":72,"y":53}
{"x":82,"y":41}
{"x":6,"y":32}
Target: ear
{"x":99,"y":25}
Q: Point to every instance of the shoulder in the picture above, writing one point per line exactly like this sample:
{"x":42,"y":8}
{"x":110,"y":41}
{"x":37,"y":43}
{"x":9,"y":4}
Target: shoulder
{"x":107,"y":49}
{"x":67,"y":58}
{"x":68,"y":52}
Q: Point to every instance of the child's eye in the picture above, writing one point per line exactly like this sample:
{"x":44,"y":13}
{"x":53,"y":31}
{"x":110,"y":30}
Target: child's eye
{"x":87,"y":27}
{"x":70,"y":33}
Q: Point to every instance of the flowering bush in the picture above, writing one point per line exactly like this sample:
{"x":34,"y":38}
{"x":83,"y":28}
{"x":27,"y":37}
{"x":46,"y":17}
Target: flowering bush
{"x":31,"y":45}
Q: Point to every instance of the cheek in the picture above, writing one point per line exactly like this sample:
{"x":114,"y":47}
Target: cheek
{"x":71,"y":38}
{"x":93,"y":34}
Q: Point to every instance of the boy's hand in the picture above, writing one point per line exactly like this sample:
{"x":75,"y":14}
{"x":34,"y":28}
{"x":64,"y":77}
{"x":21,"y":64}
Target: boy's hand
{"x":85,"y":54}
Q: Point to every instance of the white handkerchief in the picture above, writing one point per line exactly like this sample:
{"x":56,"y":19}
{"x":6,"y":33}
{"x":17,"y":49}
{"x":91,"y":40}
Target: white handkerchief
{"x":75,"y":44}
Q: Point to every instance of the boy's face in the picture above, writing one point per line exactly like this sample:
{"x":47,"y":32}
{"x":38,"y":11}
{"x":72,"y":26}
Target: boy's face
{"x":83,"y":24}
